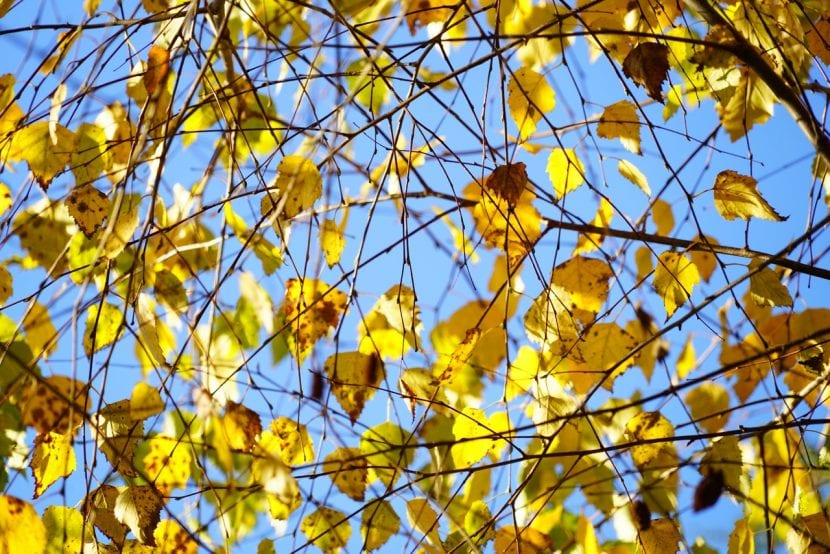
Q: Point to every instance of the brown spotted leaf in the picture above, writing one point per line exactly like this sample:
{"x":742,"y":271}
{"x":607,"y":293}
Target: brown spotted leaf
{"x":648,"y":66}
{"x":89,"y":207}
{"x":139,"y":508}
{"x":56,"y":404}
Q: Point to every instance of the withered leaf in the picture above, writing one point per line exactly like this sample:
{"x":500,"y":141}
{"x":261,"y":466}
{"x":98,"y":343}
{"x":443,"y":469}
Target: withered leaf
{"x":648,"y":66}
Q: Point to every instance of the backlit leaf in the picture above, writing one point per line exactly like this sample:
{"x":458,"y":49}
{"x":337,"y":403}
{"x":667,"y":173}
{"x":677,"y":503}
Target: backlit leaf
{"x":589,"y":242}
{"x":661,"y":213}
{"x":21,"y":529}
{"x":91,"y":157}
{"x":423,"y":519}
{"x":737,"y":195}
{"x":473,"y":435}
{"x":104,"y":325}
{"x":379,"y":523}
{"x":65,"y":529}
{"x":706,"y":262}
{"x":565,"y":170}
{"x":139,"y":508}
{"x":687,"y":359}
{"x":43,"y":234}
{"x":369,"y":81}
{"x":297,"y":187}
{"x":606,"y":349}
{"x":241,"y":425}
{"x":709,"y":404}
{"x":766,"y":288}
{"x":5,"y":198}
{"x":459,"y":357}
{"x":648,"y":426}
{"x":387,"y":448}
{"x":724,"y":456}
{"x":117,"y":434}
{"x":527,"y":540}
{"x":126,"y":222}
{"x":347,"y":469}
{"x":674,"y":278}
{"x":661,"y":537}
{"x":289,"y":441}
{"x":621,"y":121}
{"x":53,"y":458}
{"x":311,"y":309}
{"x":550,"y":317}
{"x":633,"y":174}
{"x":41,"y":335}
{"x":818,"y":39}
{"x":742,"y":538}
{"x":99,"y":507}
{"x":145,"y":402}
{"x":508,"y":182}
{"x":648,"y":66}
{"x":158,"y":68}
{"x":89,"y":208}
{"x":586,"y":280}
{"x":172,"y":538}
{"x":529,"y":97}
{"x":46,"y":156}
{"x":750,"y":103}
{"x":332,"y":241}
{"x":54,"y":404}
{"x":167,"y":464}
{"x":5,"y":284}
{"x":327,"y":529}
{"x":393,"y":326}
{"x":354,"y":377}
{"x":264,"y":250}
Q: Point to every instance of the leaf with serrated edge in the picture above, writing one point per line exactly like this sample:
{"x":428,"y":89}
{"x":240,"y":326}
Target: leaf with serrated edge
{"x":737,"y":195}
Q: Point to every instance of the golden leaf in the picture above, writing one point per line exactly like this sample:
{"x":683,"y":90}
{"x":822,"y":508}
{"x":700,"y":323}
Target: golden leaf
{"x":158,"y":68}
{"x":586,"y":280}
{"x":379,"y":523}
{"x":139,"y":508}
{"x":419,"y":385}
{"x":57,"y":404}
{"x":709,"y":404}
{"x":99,"y":508}
{"x":648,"y":66}
{"x":750,"y":103}
{"x":289,"y":441}
{"x":706,"y":262}
{"x":91,"y":157}
{"x":348,"y":471}
{"x":41,"y":335}
{"x":126,"y":222}
{"x":565,"y":170}
{"x":21,"y":529}
{"x":312,"y":309}
{"x":674,"y":279}
{"x":89,"y":207}
{"x":393,"y":325}
{"x":473,"y":434}
{"x":265,"y":251}
{"x":332,"y":241}
{"x":45,"y":155}
{"x":633,"y":174}
{"x":621,"y":121}
{"x":459,"y":357}
{"x":354,"y":378}
{"x":53,"y":458}
{"x":589,"y":242}
{"x":649,"y":426}
{"x":661,"y":537}
{"x":167,"y":463}
{"x":529,"y":97}
{"x":423,"y":519}
{"x":742,"y":538}
{"x":298,"y":186}
{"x":5,"y":198}
{"x":687,"y":360}
{"x":172,"y":538}
{"x":663,"y":217}
{"x":117,"y":435}
{"x":424,"y":12}
{"x":145,"y":402}
{"x":606,"y":347}
{"x":66,"y":530}
{"x":526,"y":540}
{"x":43,"y":234}
{"x":5,"y":284}
{"x":737,"y":195}
{"x":724,"y":455}
{"x":387,"y":448}
{"x":327,"y":529}
{"x":818,"y":39}
{"x":104,"y":325}
{"x":766,"y":288}
{"x":241,"y":425}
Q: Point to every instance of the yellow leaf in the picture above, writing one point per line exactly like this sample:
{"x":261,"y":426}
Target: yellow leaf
{"x":522,"y":371}
{"x":660,"y":538}
{"x":57,"y":403}
{"x":588,"y":242}
{"x":393,"y":325}
{"x":312,"y":309}
{"x":419,"y":385}
{"x":145,"y":402}
{"x":644,"y":262}
{"x":766,"y":288}
{"x":332,"y":241}
{"x":126,"y":222}
{"x":674,"y":279}
{"x":742,"y":539}
{"x":297,"y":187}
{"x":606,"y":347}
{"x":241,"y":425}
{"x":387,"y":448}
{"x":621,"y":121}
{"x":5,"y":284}
{"x":473,"y":437}
{"x":21,"y":529}
{"x":709,"y":404}
{"x":158,"y":69}
{"x":104,"y":325}
{"x":379,"y":523}
{"x":53,"y":458}
{"x":265,"y":251}
{"x":354,"y":378}
{"x":65,"y":529}
{"x":706,"y":262}
{"x":117,"y":435}
{"x":633,"y":174}
{"x":687,"y":360}
{"x":148,"y":341}
{"x":89,"y":207}
{"x":278,"y":483}
{"x":526,"y":540}
{"x":347,"y":469}
{"x":663,"y":217}
{"x":565,"y":170}
{"x":5,"y":198}
{"x":529,"y":97}
{"x":724,"y":456}
{"x":423,"y":519}
{"x":737,"y":195}
{"x":550,"y":318}
{"x":45,"y":156}
{"x":818,"y":40}
{"x":172,"y":538}
{"x":649,"y":426}
{"x":41,"y":335}
{"x":368,"y":80}
{"x":327,"y":529}
{"x":139,"y":508}
{"x":459,"y":357}
{"x":585,"y":280}
{"x":99,"y":508}
{"x":43,"y":234}
{"x":289,"y":441}
{"x":586,"y":537}
{"x":91,"y":156}
{"x":167,"y":463}
{"x":751,"y":102}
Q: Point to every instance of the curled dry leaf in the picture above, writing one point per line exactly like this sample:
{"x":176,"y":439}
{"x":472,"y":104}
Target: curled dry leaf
{"x":508,"y":182}
{"x":648,"y":66}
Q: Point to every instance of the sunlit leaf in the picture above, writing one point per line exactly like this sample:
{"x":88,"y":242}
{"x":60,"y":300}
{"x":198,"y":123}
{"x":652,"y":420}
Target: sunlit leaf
{"x":139,"y":508}
{"x":387,"y":448}
{"x":766,"y":288}
{"x":312,"y":309}
{"x":379,"y":523}
{"x":99,"y":507}
{"x":473,"y":436}
{"x":393,"y":326}
{"x":586,"y":280}
{"x":145,"y":401}
{"x":241,"y":425}
{"x":661,"y":537}
{"x":709,"y":404}
{"x":167,"y":463}
{"x":297,"y":187}
{"x":648,"y":66}
{"x":53,"y":458}
{"x":369,"y":81}
{"x":633,"y":174}
{"x":117,"y":434}
{"x":687,"y":359}
{"x":41,"y":335}
{"x":621,"y":121}
{"x":674,"y":278}
{"x":737,"y":195}
{"x":327,"y":529}
{"x":21,"y":529}
{"x":44,"y":235}
{"x":354,"y":377}
{"x":527,"y":540}
{"x":104,"y":325}
{"x":508,"y":182}
{"x":65,"y":529}
{"x":158,"y":68}
{"x":54,"y":404}
{"x":742,"y":538}
{"x":706,"y":262}
{"x":751,"y":102}
{"x":89,"y":208}
{"x":565,"y":170}
{"x":663,"y":216}
{"x":347,"y":469}
{"x":172,"y":538}
{"x":589,"y":242}
{"x":6,"y":289}
{"x":44,"y":152}
{"x":91,"y":157}
{"x":125,"y":224}
{"x":649,"y":426}
{"x":606,"y":349}
{"x":289,"y":441}
{"x":332,"y":241}
{"x":529,"y":97}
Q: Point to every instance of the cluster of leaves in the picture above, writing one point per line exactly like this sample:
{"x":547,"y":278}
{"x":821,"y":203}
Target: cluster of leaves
{"x":245,"y":212}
